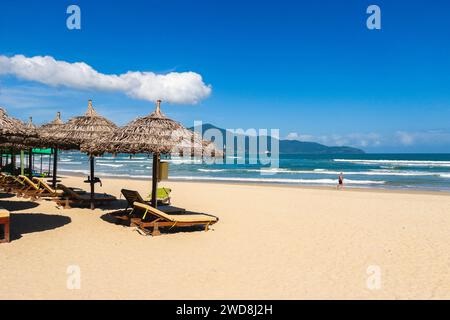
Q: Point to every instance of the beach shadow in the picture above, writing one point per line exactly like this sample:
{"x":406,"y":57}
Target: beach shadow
{"x":115,"y":205}
{"x":112,"y":218}
{"x":168,"y":230}
{"x":105,"y":206}
{"x":6,"y":195}
{"x":22,"y":223}
{"x":18,"y":205}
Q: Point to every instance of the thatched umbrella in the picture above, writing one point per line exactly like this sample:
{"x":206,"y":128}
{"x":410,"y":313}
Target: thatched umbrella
{"x":12,"y":131}
{"x":47,"y":134}
{"x":30,"y":125}
{"x":85,"y":129}
{"x":8,"y":127}
{"x":155,"y":134}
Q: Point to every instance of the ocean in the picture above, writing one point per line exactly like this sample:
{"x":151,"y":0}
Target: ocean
{"x":387,"y":171}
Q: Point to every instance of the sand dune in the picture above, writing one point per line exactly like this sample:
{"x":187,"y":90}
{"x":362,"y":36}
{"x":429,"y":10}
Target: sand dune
{"x":270,"y":243}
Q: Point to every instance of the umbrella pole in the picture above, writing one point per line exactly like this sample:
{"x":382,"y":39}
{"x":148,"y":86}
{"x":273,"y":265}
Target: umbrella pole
{"x":92,"y":182}
{"x":50,"y":164}
{"x":155,"y":179}
{"x":55,"y":164}
{"x":30,"y":162}
{"x":13,"y":163}
{"x":22,"y":160}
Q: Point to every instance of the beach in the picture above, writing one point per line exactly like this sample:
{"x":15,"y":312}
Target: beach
{"x":272,"y":242}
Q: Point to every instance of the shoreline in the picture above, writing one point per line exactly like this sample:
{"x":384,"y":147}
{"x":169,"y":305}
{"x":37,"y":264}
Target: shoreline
{"x":398,"y":173}
{"x":271,"y":184}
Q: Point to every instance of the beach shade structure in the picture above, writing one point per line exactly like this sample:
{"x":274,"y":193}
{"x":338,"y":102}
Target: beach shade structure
{"x":47,"y":133}
{"x":12,"y":130}
{"x":14,"y":134}
{"x":83,"y":130}
{"x":42,"y":152}
{"x":153,"y":134}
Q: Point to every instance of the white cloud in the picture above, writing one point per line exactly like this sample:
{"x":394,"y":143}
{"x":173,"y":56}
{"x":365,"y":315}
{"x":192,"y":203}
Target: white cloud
{"x":431,"y":137}
{"x":292,"y":136}
{"x":174,"y":87}
{"x":405,"y":138}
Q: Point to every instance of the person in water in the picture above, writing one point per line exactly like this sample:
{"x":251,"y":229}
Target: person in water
{"x":340,"y":181}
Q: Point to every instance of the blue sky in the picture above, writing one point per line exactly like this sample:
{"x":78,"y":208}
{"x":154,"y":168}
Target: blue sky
{"x":310,"y":68}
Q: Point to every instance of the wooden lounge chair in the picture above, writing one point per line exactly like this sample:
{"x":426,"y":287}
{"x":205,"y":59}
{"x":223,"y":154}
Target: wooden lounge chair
{"x":30,"y":189}
{"x":12,"y":184}
{"x":154,"y":218}
{"x":4,"y":224}
{"x":5,"y":183}
{"x":133,"y":196}
{"x":4,"y":180}
{"x":71,"y":197}
{"x":47,"y":191}
{"x":15,"y":185}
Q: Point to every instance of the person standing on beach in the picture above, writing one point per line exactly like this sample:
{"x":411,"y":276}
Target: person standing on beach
{"x":340,"y":181}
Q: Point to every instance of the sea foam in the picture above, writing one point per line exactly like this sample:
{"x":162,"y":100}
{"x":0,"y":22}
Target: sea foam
{"x":415,"y":163}
{"x":275,"y":180}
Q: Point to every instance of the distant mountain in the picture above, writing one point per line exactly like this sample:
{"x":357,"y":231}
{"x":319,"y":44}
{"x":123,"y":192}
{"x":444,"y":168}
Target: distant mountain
{"x":295,"y":146}
{"x":292,"y":146}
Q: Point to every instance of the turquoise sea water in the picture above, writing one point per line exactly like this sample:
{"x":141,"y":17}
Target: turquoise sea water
{"x":401,"y":171}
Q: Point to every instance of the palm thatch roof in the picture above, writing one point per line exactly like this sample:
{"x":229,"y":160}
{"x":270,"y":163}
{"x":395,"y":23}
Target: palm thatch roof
{"x":77,"y":131}
{"x":30,"y":124}
{"x":32,"y":139}
{"x":16,"y":135}
{"x":11,"y":129}
{"x":154,"y":133}
{"x":26,"y":141}
{"x":53,"y":125}
{"x":48,"y":131}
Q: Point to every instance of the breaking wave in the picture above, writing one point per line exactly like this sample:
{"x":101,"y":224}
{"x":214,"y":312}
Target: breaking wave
{"x":413,"y":163}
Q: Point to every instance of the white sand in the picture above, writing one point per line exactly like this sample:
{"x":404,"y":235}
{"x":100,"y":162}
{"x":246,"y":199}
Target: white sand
{"x":270,"y":243}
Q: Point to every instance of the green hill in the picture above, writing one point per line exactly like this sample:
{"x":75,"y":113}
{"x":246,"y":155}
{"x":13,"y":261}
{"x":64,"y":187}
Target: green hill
{"x":294,"y":146}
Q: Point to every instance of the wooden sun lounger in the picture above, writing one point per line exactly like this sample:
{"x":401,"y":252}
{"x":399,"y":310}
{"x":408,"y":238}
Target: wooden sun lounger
{"x":154,"y":218}
{"x":12,"y":184}
{"x":4,"y":180}
{"x":47,"y":190}
{"x":5,"y":225}
{"x":15,"y":184}
{"x":133,"y":196}
{"x":71,"y":197}
{"x":30,"y":189}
